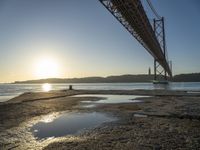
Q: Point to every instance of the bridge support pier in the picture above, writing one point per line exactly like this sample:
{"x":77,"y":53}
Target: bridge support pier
{"x":160,"y":74}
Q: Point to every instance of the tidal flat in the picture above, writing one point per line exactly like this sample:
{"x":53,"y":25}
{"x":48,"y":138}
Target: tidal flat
{"x":161,"y":120}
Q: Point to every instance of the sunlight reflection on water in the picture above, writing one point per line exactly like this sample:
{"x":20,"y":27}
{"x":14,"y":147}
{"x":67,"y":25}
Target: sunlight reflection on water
{"x":46,"y":87}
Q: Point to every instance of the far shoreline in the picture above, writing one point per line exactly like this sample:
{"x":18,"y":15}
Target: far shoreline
{"x":127,"y":78}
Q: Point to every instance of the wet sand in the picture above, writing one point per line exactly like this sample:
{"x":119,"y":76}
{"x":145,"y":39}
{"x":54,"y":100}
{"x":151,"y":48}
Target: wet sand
{"x":172,"y":122}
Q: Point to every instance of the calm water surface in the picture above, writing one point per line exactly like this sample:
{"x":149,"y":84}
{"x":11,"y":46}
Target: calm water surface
{"x":69,"y":124}
{"x":109,"y":99}
{"x":112,"y":99}
{"x":8,"y":91}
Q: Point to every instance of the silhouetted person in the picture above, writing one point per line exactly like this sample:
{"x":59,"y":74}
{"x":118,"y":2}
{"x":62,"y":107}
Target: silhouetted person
{"x":70,"y":87}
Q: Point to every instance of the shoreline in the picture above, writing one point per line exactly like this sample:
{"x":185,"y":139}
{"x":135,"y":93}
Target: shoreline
{"x":10,"y":91}
{"x":173,"y":120}
{"x":34,"y":96}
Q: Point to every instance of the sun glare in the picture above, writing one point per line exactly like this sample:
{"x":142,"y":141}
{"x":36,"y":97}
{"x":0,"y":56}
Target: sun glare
{"x":46,"y":87}
{"x":47,"y":68}
{"x":49,"y":118}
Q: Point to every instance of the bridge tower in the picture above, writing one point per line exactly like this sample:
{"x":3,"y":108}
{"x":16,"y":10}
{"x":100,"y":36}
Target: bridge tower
{"x":159,"y":30}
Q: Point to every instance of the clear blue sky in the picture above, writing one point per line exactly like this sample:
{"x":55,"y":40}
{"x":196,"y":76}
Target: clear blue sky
{"x":84,"y":39}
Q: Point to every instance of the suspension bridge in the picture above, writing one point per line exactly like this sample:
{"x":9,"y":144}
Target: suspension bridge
{"x":131,"y":14}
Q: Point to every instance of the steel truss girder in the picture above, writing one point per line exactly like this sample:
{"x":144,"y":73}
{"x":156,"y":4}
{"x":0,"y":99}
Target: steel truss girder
{"x":131,"y":14}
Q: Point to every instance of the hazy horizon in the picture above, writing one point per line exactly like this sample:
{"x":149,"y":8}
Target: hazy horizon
{"x":67,"y":39}
{"x":89,"y":77}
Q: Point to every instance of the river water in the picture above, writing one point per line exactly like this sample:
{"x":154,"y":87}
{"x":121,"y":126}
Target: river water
{"x":8,"y":91}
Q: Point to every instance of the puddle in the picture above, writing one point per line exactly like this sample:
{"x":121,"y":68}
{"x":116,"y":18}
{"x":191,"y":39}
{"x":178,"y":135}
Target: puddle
{"x":88,"y":106}
{"x":193,"y":92}
{"x":140,"y":115}
{"x":112,"y":99}
{"x":69,"y":124}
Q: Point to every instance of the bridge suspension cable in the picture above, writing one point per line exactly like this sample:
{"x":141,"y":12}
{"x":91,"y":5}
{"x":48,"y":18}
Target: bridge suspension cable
{"x":153,"y":9}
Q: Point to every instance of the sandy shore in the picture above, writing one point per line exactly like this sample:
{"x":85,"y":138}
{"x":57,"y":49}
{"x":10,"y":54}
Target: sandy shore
{"x":172,"y":122}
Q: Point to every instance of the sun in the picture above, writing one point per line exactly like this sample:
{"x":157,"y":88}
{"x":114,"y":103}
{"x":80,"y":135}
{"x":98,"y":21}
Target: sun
{"x":47,"y":68}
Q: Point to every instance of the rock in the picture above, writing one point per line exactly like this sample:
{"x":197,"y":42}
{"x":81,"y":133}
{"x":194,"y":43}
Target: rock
{"x":157,"y":147}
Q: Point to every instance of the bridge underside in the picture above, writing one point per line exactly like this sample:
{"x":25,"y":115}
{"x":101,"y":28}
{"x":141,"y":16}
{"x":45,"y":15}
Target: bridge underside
{"x":131,"y":14}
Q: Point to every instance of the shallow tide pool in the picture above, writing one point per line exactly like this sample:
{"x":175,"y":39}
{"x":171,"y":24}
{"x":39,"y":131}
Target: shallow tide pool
{"x":74,"y":123}
{"x":112,"y":99}
{"x":69,"y":124}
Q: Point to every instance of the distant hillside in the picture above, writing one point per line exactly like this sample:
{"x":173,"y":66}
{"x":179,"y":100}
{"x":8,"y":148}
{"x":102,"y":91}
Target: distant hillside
{"x":194,"y":77}
{"x":109,"y":79}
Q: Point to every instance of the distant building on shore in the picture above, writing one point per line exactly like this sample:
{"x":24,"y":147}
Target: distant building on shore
{"x":149,"y":71}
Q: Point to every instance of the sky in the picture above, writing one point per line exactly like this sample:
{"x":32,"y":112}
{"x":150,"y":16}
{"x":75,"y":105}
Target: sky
{"x":76,"y":38}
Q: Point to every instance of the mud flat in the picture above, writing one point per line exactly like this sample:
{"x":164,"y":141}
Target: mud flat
{"x":165,"y":120}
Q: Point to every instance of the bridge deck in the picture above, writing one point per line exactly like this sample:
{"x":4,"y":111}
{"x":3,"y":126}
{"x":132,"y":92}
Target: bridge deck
{"x":131,"y":14}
